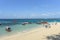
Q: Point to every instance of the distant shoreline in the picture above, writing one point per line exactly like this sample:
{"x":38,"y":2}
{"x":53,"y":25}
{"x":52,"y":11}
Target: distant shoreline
{"x":30,"y":18}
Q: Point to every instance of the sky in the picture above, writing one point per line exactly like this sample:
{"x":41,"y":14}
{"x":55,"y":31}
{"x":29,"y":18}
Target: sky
{"x":11,"y":9}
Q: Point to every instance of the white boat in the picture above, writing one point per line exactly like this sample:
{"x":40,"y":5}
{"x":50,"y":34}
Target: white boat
{"x":24,"y":23}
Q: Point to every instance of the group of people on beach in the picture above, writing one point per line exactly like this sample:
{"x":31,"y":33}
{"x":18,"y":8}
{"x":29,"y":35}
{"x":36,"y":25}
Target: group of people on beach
{"x":47,"y":25}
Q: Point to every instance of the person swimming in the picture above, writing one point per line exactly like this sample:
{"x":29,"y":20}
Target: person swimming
{"x":8,"y":29}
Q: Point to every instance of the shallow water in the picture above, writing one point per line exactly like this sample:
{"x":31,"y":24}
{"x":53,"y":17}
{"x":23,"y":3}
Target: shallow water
{"x":16,"y":25}
{"x":16,"y":28}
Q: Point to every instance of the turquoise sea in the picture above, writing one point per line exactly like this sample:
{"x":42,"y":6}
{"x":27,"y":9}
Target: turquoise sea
{"x":16,"y":25}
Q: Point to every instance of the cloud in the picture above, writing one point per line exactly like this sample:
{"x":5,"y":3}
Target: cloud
{"x":44,"y":15}
{"x":38,"y":15}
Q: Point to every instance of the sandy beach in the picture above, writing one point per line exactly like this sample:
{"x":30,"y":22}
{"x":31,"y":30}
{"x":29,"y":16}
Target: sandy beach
{"x":35,"y":34}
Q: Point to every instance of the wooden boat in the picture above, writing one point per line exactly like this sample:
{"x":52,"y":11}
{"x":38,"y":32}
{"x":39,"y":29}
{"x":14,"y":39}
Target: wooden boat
{"x":44,"y":22}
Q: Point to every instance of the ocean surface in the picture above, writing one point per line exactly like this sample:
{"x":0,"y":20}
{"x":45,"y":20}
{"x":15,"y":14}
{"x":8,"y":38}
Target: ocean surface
{"x":16,"y":25}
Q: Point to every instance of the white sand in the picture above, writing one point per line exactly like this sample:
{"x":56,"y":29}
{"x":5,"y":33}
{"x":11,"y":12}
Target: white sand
{"x":36,"y":34}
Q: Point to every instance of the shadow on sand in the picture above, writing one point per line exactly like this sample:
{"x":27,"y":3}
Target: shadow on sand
{"x":55,"y":37}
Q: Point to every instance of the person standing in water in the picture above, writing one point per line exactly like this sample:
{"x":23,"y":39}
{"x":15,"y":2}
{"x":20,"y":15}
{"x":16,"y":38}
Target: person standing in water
{"x":8,"y":29}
